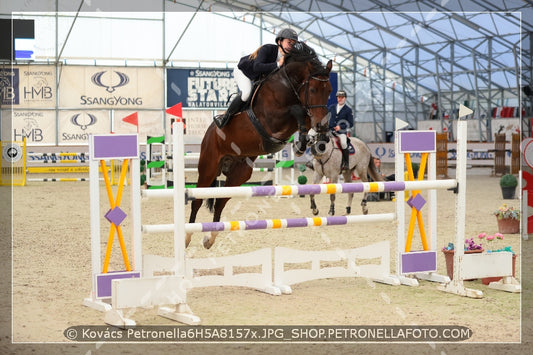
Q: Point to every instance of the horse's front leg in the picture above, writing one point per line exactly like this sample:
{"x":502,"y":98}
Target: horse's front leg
{"x":313,"y":205}
{"x":317,"y":176}
{"x":348,"y":178}
{"x":332,"y":205}
{"x":363,"y":204}
{"x":349,"y":204}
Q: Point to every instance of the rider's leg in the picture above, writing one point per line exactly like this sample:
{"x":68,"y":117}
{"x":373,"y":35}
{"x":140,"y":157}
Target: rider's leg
{"x":238,"y":102}
{"x":345,"y":152}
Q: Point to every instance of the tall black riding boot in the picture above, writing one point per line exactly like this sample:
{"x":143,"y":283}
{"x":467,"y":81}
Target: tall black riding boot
{"x":235,"y":106}
{"x":345,"y":159}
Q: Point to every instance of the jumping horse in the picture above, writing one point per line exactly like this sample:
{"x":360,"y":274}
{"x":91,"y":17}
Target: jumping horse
{"x":327,"y":158}
{"x":291,"y":98}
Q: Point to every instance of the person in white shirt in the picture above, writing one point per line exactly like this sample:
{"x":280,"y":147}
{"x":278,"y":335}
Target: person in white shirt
{"x":340,"y":123}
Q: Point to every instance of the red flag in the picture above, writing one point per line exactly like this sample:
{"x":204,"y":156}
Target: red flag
{"x":175,"y":110}
{"x":132,"y":119}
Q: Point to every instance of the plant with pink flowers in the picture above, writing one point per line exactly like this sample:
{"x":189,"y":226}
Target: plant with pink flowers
{"x":493,"y":242}
{"x":504,"y":212}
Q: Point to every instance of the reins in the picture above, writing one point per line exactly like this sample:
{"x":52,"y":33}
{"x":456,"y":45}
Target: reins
{"x":306,"y":84}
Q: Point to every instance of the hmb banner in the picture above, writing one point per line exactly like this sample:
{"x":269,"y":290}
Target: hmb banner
{"x":111,"y":87}
{"x":28,"y":87}
{"x":202,"y":88}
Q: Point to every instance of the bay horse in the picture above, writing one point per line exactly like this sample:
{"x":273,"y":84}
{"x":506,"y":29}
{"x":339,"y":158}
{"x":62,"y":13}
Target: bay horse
{"x":327,"y":158}
{"x":293,"y":97}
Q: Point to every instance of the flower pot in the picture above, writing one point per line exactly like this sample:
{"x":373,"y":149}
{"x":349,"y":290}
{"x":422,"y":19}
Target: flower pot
{"x":448,"y":255}
{"x":508,"y":225}
{"x":508,"y":192}
{"x":488,"y":280}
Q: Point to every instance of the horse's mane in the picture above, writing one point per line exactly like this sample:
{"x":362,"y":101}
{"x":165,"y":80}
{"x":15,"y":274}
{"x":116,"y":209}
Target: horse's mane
{"x":301,"y":52}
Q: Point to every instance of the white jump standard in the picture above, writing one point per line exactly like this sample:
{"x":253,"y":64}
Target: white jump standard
{"x":114,"y":291}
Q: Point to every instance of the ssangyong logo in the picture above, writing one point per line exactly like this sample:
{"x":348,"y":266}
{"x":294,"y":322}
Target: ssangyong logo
{"x":123,"y":79}
{"x":83,"y":121}
{"x":111,"y":80}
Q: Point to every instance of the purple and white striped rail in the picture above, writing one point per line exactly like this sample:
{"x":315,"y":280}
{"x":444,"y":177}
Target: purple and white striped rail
{"x":287,"y":190}
{"x":271,"y":223}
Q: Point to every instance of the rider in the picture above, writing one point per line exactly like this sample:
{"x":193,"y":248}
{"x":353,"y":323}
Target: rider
{"x":340,"y":123}
{"x":262,"y":62}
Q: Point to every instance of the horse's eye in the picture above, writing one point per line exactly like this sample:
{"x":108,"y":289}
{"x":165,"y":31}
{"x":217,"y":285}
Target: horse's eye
{"x":312,"y":90}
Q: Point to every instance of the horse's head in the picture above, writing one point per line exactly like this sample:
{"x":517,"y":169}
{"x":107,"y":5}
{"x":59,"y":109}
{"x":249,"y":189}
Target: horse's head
{"x":318,"y":143}
{"x":313,"y":91}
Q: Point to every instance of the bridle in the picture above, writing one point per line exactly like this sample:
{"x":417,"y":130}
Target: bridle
{"x":305,"y":84}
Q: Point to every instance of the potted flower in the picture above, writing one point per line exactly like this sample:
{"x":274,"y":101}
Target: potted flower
{"x":508,"y":183}
{"x":508,"y":219}
{"x":492,"y":247}
{"x":469,"y":247}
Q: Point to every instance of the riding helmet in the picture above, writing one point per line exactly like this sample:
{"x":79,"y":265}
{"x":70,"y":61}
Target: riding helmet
{"x":287,"y":33}
{"x":341,"y":93}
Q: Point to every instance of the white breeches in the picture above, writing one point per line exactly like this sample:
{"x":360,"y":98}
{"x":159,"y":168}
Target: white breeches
{"x":344,"y":140}
{"x":244,"y":84}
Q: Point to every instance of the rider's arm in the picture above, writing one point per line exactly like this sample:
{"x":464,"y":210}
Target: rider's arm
{"x":266,"y":59}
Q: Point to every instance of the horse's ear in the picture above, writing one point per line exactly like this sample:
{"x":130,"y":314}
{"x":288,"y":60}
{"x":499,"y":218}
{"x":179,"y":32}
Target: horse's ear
{"x":329,"y":65}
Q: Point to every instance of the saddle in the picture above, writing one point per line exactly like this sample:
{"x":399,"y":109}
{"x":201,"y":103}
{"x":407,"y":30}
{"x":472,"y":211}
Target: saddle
{"x":337,"y":144}
{"x":223,"y":119}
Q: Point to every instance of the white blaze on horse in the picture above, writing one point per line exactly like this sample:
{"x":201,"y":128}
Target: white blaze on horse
{"x":327,"y":159}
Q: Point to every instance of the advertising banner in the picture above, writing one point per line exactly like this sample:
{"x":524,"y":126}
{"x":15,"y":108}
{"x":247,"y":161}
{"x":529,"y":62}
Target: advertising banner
{"x":196,"y":123}
{"x":76,"y":126}
{"x":28,"y":86}
{"x":150,"y":124}
{"x":111,"y":87}
{"x":202,"y":88}
{"x":37,"y":126}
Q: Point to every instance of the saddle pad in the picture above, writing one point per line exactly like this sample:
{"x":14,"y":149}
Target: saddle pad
{"x":337,"y":143}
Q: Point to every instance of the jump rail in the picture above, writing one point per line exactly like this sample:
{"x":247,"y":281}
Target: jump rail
{"x":287,"y":190}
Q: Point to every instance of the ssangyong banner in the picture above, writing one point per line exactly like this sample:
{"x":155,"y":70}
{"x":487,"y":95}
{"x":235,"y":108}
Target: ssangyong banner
{"x":202,"y":88}
{"x":75,"y":126}
{"x":28,"y":86}
{"x":111,"y":87}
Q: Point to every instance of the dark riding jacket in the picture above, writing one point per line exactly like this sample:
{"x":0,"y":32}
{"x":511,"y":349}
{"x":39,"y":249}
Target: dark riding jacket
{"x":263,"y":64}
{"x":343,"y":119}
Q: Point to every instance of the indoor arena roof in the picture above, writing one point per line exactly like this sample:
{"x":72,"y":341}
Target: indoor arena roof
{"x":413,"y":39}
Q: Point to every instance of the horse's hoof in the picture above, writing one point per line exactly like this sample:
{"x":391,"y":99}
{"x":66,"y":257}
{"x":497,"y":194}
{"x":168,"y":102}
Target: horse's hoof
{"x":348,"y":210}
{"x":207,"y":242}
{"x":315,"y":212}
{"x":365,"y":210}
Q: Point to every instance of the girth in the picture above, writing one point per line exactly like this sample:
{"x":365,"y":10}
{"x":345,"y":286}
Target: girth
{"x":270,"y":144}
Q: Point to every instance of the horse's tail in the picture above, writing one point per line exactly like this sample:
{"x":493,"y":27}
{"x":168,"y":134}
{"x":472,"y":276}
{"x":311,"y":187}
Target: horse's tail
{"x":210,"y":202}
{"x":373,"y":171}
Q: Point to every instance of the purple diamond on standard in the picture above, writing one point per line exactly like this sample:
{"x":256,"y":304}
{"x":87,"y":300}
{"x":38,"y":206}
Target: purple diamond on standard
{"x":417,"y":202}
{"x":115,"y":216}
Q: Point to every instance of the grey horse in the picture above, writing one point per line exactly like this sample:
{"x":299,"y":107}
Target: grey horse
{"x":327,"y":158}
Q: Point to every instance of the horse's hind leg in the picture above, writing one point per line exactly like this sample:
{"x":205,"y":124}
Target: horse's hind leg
{"x":239,"y":172}
{"x":316,"y":179}
{"x":195,"y":206}
{"x":334,"y":179}
{"x":362,"y":172}
{"x":331,"y":205}
{"x":348,"y":178}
